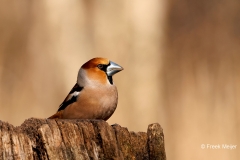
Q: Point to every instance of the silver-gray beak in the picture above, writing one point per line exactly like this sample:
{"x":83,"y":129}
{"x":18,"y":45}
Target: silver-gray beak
{"x":113,"y":68}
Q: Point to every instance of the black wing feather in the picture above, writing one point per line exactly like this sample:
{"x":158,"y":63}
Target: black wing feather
{"x":69,"y":100}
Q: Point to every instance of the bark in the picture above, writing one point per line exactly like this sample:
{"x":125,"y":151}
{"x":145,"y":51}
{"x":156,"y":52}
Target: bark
{"x":79,"y":139}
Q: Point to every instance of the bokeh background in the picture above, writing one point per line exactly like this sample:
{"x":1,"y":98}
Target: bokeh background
{"x":181,"y":61}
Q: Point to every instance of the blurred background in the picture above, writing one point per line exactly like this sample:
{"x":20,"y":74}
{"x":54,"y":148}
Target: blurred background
{"x":181,"y":61}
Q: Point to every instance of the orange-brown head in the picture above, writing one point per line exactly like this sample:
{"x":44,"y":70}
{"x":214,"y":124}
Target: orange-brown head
{"x":97,"y":71}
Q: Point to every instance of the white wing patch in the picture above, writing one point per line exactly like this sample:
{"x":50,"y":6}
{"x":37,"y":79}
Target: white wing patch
{"x":75,"y":94}
{"x":72,"y":97}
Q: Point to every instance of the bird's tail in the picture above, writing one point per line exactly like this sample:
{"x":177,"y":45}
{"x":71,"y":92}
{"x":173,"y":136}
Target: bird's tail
{"x":58,"y":115}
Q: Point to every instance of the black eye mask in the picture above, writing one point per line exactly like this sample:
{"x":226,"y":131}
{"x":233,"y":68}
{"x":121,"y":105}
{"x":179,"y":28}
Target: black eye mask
{"x":103,"y":67}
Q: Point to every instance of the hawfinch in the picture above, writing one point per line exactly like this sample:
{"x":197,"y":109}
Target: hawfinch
{"x":94,"y":96}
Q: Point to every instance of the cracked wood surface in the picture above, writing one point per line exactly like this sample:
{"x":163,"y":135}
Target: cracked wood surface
{"x":79,"y":139}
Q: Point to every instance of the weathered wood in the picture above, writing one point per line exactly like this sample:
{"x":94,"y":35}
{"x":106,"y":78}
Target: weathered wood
{"x":79,"y":139}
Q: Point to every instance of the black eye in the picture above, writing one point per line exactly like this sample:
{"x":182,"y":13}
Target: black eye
{"x":100,"y":66}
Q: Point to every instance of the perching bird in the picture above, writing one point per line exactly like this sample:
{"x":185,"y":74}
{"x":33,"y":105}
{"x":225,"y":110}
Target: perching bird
{"x":94,"y":96}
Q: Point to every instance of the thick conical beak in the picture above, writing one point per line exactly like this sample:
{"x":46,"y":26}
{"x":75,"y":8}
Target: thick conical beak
{"x":113,"y":68}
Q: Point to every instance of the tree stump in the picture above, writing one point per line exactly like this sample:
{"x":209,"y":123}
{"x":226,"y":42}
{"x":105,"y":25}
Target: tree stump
{"x":79,"y":139}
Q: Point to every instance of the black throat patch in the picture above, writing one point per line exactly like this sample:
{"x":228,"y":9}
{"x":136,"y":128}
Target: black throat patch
{"x":110,"y":79}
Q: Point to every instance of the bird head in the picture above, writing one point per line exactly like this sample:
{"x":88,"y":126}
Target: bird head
{"x":98,"y":70}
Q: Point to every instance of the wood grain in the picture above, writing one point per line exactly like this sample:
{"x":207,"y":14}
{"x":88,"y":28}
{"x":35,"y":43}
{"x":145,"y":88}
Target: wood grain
{"x":79,"y":139}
